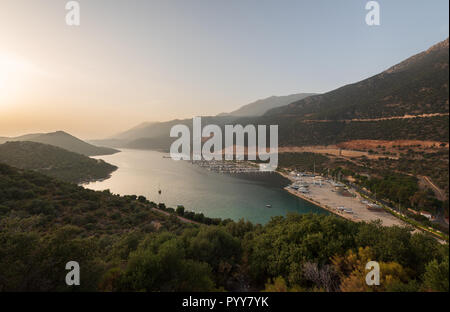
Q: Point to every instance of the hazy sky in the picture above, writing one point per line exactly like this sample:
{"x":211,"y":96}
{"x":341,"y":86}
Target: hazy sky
{"x":132,"y":61}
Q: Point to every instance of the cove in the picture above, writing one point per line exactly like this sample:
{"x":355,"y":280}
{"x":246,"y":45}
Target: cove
{"x":214,"y":194}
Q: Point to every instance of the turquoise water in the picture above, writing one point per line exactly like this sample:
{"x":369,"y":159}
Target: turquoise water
{"x":214,"y":194}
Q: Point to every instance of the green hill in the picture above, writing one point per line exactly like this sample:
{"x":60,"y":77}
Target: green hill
{"x":54,"y":161}
{"x":123,"y":244}
{"x":64,"y":140}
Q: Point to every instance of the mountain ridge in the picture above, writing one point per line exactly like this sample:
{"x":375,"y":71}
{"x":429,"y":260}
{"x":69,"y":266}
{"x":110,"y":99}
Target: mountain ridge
{"x":65,"y":141}
{"x":417,"y":85}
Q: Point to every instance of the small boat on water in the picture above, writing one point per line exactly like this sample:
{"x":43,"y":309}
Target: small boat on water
{"x":268,"y":206}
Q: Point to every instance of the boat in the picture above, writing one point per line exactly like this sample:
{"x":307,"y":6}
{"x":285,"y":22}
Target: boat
{"x":269,"y":206}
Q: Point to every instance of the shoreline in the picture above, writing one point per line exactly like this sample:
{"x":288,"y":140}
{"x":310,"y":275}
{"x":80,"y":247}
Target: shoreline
{"x":314,"y":202}
{"x":324,"y":193}
{"x":323,"y":196}
{"x":320,"y":205}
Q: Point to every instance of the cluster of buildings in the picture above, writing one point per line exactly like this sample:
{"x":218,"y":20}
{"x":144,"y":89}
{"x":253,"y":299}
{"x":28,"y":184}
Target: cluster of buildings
{"x":223,"y":166}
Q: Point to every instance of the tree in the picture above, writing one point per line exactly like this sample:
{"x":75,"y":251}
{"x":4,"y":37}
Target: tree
{"x":160,"y":264}
{"x":352,"y":270}
{"x":436,"y":276}
{"x":180,"y":210}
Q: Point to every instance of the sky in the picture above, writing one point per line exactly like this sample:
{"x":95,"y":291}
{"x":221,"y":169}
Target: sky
{"x":131,"y":61}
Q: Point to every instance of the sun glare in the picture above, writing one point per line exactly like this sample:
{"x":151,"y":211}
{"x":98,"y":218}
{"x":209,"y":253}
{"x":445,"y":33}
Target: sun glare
{"x":12,"y":76}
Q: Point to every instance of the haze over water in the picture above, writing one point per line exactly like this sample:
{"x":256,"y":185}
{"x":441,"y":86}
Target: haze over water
{"x":197,"y":189}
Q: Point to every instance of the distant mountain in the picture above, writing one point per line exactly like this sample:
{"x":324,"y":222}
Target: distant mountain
{"x":418,"y":85}
{"x":66,"y":141}
{"x":54,"y":161}
{"x":134,"y":131}
{"x":161,"y":129}
{"x":145,"y":130}
{"x":372,"y":109}
{"x":260,"y":107}
{"x":148,"y":130}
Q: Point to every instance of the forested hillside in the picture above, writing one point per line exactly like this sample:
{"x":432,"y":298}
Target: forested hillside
{"x":123,"y":243}
{"x":54,"y":161}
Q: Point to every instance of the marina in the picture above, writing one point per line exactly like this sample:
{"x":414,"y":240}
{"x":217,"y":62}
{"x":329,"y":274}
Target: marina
{"x":337,"y":198}
{"x":223,"y":166}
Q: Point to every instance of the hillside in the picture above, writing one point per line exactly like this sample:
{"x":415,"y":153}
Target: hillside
{"x":54,"y":161}
{"x":162,"y":129}
{"x":418,"y":85}
{"x":66,"y":141}
{"x":260,"y":107}
{"x":294,"y":131}
{"x":124,"y":243}
{"x":409,"y":101}
{"x":153,"y":133}
{"x":133,"y":131}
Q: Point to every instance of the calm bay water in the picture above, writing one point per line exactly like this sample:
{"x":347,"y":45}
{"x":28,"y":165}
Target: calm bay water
{"x":216,"y":195}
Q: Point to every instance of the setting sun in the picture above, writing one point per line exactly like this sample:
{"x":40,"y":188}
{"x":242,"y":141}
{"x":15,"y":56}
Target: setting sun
{"x":12,"y":72}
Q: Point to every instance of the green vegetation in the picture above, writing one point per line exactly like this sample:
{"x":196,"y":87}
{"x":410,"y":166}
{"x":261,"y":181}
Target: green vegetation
{"x":395,"y":187}
{"x":123,"y":243}
{"x":295,"y":131}
{"x":433,"y":164}
{"x":54,"y":161}
{"x":303,"y":161}
{"x":392,"y":180}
